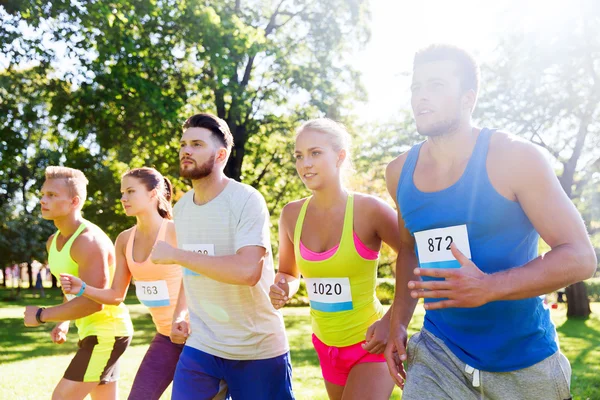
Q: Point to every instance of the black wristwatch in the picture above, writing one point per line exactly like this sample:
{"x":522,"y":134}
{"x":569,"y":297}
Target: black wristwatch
{"x":38,"y":315}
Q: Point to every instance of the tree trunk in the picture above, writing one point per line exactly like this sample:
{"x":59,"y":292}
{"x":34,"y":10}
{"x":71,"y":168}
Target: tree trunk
{"x":567,"y":178}
{"x":30,"y":276}
{"x":578,"y":303}
{"x":233,"y":169}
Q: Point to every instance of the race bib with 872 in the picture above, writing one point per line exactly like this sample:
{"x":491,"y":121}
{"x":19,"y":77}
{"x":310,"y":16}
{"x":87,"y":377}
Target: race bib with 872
{"x":152,"y":293}
{"x":329,"y":294}
{"x":433,"y":246}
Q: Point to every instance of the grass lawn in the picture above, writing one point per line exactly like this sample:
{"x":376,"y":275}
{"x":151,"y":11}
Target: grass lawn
{"x":31,"y":365}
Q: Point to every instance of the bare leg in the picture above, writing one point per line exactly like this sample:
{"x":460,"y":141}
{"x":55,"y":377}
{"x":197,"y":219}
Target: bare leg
{"x":109,"y":391}
{"x":335,"y":392}
{"x":369,"y":381}
{"x":71,"y":390}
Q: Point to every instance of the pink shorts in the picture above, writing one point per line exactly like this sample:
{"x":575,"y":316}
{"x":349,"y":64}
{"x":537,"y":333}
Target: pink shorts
{"x":337,"y":362}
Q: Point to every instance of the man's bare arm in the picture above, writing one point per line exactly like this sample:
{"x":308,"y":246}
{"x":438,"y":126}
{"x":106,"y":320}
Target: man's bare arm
{"x":554,"y":216}
{"x":92,"y":255}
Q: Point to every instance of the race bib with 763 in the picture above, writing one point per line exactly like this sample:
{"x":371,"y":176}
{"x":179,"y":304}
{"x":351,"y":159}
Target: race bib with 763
{"x":206,"y":249}
{"x":329,"y":294}
{"x":434,"y":246}
{"x":152,"y":293}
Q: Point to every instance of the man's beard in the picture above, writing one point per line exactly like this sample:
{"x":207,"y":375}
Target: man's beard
{"x":199,"y":172}
{"x":441,"y":128}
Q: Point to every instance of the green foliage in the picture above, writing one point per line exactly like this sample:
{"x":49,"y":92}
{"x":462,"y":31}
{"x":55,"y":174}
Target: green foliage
{"x":545,"y":87}
{"x":301,"y":297}
{"x":27,"y":145}
{"x":132,"y":71}
{"x":374,"y":147}
{"x":385,"y":290}
{"x":23,"y":237}
{"x":593,"y":288}
{"x":27,"y":141}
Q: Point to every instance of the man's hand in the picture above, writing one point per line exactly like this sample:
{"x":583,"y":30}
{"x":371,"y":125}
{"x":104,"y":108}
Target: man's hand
{"x":377,"y":336}
{"x":279,"y":293}
{"x":30,"y":320}
{"x":395,"y":354}
{"x":59,"y":333}
{"x":464,"y":287}
{"x":162,"y":253}
{"x":70,"y":284}
{"x":180,"y":330}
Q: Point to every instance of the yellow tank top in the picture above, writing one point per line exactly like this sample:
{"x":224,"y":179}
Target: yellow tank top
{"x":111,"y":320}
{"x":341,"y":288}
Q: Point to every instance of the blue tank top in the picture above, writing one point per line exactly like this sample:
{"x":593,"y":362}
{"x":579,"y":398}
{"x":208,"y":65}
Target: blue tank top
{"x":500,"y":336}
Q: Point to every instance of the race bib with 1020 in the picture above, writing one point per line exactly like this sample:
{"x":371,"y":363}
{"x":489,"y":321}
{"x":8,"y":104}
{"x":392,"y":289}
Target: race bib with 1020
{"x":329,"y":294}
{"x":152,"y":293}
{"x":206,"y":249}
{"x":433,"y":246}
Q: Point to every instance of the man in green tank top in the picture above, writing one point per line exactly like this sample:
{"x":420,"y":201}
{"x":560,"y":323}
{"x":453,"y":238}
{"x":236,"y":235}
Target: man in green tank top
{"x":82,"y":249}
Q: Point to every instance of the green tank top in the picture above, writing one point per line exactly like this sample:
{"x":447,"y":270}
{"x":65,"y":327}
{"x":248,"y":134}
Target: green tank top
{"x":341,"y":288}
{"x":108,"y":322}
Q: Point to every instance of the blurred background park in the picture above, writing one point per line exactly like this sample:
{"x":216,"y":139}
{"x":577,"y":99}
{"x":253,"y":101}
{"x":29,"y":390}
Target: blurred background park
{"x":105,"y":86}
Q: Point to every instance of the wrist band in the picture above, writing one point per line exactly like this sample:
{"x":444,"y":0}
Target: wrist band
{"x":83,"y":285}
{"x":38,"y":315}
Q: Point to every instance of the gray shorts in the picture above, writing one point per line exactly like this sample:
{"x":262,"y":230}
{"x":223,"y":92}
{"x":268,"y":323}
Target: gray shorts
{"x":435,"y":373}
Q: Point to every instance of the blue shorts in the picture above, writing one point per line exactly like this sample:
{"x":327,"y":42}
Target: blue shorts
{"x":198,"y":375}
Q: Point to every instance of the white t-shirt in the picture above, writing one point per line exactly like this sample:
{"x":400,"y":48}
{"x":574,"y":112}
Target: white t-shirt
{"x":235,"y":322}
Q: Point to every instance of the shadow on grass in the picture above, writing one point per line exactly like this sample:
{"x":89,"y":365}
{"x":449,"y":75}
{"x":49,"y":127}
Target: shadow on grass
{"x":53,"y":297}
{"x":581,"y":329}
{"x":19,"y":342}
{"x":580,"y":341}
{"x":300,"y":322}
{"x":299,"y":331}
{"x":304,"y":357}
{"x":30,"y":298}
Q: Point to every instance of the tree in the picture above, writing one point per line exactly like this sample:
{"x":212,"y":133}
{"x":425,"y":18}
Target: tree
{"x":141,"y":63}
{"x":23,"y":239}
{"x":135,"y":70}
{"x":375,"y":146}
{"x":546,"y":87}
{"x":30,"y":142}
{"x":28,"y":146}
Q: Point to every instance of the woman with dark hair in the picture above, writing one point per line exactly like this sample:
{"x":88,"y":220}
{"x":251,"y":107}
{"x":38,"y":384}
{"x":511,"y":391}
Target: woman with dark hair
{"x":146,"y":195}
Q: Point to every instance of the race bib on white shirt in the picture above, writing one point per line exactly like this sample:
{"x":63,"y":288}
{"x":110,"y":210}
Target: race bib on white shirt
{"x":206,"y":249}
{"x":152,"y":293}
{"x":329,"y":294}
{"x":434,"y":246}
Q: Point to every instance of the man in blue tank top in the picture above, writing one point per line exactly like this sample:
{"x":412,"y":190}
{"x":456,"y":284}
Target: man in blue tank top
{"x":472,"y":204}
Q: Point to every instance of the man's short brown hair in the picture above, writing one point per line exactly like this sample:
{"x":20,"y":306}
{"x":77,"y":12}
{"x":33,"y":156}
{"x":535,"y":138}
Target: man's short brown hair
{"x":467,"y":68}
{"x":218,"y":127}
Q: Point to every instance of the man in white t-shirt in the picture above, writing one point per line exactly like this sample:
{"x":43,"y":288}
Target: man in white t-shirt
{"x":224,"y":244}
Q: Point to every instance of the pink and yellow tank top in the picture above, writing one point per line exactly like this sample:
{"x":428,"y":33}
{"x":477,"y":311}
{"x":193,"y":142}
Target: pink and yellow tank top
{"x":340,"y":283}
{"x":156,"y":285}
